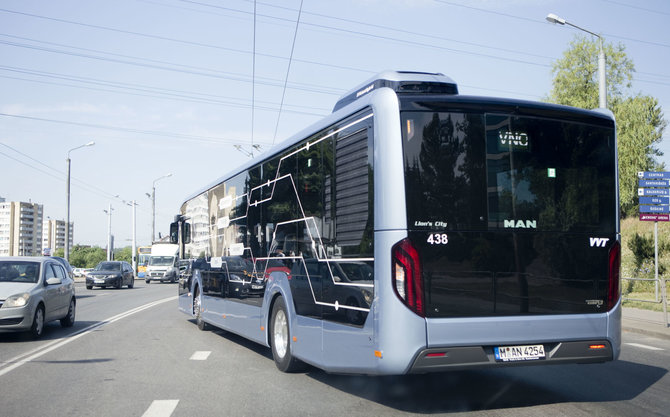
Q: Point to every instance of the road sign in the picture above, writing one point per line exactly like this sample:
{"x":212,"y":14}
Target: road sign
{"x":654,"y":200}
{"x":653,"y":183}
{"x":652,"y":191}
{"x":652,"y":175}
{"x":654,"y":217}
{"x":654,"y":209}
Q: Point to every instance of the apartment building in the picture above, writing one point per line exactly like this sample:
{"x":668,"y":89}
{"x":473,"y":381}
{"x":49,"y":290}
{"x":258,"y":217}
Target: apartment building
{"x":20,"y":228}
{"x":53,"y":236}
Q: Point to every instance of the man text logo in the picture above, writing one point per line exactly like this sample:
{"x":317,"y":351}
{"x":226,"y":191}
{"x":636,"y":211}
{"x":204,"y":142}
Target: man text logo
{"x":520,"y":224}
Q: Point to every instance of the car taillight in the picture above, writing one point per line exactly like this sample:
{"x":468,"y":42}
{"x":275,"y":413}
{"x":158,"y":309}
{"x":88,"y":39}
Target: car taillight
{"x":614,"y":266}
{"x":406,"y":275}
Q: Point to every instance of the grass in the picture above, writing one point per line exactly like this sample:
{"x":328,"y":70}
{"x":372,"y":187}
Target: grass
{"x":642,"y":290}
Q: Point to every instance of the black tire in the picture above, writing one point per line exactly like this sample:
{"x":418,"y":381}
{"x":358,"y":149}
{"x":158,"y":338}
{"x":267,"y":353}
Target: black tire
{"x":37,"y":328}
{"x":147,"y":281}
{"x":89,"y":287}
{"x":119,"y":283}
{"x":197,"y":310}
{"x":68,"y":321}
{"x":132,"y":282}
{"x":280,"y":339}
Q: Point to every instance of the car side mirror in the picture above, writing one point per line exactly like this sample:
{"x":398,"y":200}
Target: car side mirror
{"x":54,"y":281}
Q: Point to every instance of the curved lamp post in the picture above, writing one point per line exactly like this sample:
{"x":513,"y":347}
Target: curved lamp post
{"x":67,"y":224}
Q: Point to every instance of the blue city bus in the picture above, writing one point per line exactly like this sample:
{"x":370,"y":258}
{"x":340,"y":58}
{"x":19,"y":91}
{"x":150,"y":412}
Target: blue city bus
{"x":416,"y":230}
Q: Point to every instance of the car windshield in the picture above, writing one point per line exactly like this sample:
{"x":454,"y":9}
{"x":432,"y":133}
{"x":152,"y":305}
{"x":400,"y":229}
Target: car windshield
{"x":19,"y":271}
{"x":161,"y":260}
{"x":108,"y":266}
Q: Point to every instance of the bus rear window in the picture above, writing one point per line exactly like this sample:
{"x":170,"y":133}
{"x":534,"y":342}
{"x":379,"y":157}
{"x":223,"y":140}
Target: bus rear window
{"x":475,"y":171}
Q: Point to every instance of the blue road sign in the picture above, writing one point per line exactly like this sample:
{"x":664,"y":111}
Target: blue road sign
{"x":654,"y":209}
{"x":653,"y":183}
{"x":652,"y":175}
{"x":652,"y":191}
{"x":654,"y":200}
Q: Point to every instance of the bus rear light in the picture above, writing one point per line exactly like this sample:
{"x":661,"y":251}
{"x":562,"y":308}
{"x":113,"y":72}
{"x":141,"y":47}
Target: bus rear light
{"x":436,"y":355}
{"x":407,"y":276}
{"x":613,"y":270}
{"x":597,"y":347}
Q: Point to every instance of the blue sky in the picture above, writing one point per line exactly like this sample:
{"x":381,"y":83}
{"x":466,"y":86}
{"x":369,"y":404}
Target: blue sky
{"x":166,"y":86}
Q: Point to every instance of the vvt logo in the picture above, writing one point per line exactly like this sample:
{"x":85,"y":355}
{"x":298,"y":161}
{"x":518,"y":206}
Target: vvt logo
{"x":598,"y":242}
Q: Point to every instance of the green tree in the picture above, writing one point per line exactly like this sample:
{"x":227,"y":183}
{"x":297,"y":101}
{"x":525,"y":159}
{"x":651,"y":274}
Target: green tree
{"x":86,"y":256}
{"x":124,"y":254}
{"x":639,"y":118}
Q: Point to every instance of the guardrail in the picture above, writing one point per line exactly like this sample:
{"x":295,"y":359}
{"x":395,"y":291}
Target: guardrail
{"x":660,"y":292}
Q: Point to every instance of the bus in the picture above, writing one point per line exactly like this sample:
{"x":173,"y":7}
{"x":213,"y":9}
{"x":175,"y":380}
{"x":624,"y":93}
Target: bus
{"x":143,"y":255}
{"x":415,"y":230}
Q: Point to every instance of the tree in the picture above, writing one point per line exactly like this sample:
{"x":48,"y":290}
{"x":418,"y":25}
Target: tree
{"x":124,"y":254}
{"x":639,"y":118}
{"x":86,"y":256}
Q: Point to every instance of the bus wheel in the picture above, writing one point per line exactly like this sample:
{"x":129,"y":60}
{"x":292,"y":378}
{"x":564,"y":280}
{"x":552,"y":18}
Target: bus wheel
{"x":197,"y":310}
{"x":280,"y":337}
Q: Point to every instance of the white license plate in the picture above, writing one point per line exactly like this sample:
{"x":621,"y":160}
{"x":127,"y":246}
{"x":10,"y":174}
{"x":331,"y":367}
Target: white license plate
{"x":99,"y":281}
{"x":256,"y":287}
{"x":519,"y":353}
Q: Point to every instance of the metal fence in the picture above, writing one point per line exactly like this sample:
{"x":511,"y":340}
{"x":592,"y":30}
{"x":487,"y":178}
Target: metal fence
{"x":660,"y":293}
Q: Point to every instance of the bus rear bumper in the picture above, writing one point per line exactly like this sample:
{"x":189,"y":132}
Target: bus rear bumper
{"x":469,"y":357}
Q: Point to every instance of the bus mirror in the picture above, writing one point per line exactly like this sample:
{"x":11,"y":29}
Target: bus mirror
{"x":174,"y":232}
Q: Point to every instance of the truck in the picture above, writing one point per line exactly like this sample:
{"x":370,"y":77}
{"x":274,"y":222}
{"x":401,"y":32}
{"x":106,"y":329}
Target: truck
{"x":162,"y":263}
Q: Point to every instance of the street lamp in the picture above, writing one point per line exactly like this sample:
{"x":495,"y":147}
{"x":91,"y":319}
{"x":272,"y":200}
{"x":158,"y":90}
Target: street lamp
{"x":153,"y":206}
{"x":602,"y":82}
{"x":109,"y":232}
{"x":67,"y":225}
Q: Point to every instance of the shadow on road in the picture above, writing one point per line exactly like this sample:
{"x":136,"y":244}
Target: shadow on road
{"x":492,"y":389}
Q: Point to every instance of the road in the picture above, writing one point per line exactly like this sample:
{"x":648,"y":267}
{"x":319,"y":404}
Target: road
{"x":132,"y":353}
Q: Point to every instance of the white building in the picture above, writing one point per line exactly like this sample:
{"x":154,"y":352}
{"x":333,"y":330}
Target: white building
{"x":20,"y":228}
{"x":53,"y":236}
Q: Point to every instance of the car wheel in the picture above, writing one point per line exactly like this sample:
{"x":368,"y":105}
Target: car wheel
{"x":119,"y":283}
{"x":37,"y":328}
{"x":132,"y":282}
{"x":280,"y":336}
{"x":147,"y":281}
{"x":89,"y":287}
{"x":68,"y":320}
{"x":197,"y":310}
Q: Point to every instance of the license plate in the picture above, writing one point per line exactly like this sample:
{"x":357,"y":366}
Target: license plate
{"x":519,"y":353}
{"x":99,"y":281}
{"x":256,"y":287}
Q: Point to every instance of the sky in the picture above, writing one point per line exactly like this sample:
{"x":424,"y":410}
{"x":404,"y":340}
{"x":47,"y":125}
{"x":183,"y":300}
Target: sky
{"x":190,"y":87}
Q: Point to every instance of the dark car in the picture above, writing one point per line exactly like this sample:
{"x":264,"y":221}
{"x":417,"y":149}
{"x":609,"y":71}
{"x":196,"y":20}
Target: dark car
{"x":66,"y":265}
{"x":111,"y":274}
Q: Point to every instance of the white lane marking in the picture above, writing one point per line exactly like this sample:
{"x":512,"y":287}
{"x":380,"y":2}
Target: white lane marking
{"x":644,"y":346}
{"x":200,"y":355}
{"x":161,"y":408}
{"x":27,"y":357}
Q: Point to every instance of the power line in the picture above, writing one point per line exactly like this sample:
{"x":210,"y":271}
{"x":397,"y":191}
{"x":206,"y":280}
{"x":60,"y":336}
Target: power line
{"x":288,"y":71}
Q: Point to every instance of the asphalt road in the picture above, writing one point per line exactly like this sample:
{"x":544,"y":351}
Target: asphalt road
{"x":132,"y":353}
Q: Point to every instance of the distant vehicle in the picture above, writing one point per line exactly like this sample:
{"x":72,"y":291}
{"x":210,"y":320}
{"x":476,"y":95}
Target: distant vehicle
{"x":66,"y":265}
{"x":34,"y":291}
{"x":111,"y":274}
{"x":79,"y":272}
{"x":143,"y":255}
{"x":163,"y":265}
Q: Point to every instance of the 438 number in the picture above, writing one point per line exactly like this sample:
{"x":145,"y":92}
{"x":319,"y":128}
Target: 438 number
{"x":438,"y":239}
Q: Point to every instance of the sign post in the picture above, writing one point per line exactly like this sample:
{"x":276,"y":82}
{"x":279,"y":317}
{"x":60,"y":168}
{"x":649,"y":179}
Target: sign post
{"x":654,"y":194}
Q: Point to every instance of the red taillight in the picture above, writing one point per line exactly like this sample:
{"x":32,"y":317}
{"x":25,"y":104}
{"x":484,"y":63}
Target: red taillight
{"x":614,"y":266}
{"x":406,"y":271}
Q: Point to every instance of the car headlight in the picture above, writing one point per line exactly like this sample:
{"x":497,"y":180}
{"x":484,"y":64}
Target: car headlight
{"x":367,"y":295}
{"x":16,"y":300}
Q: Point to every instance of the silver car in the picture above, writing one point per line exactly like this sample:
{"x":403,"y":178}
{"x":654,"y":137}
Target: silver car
{"x":34,"y":291}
